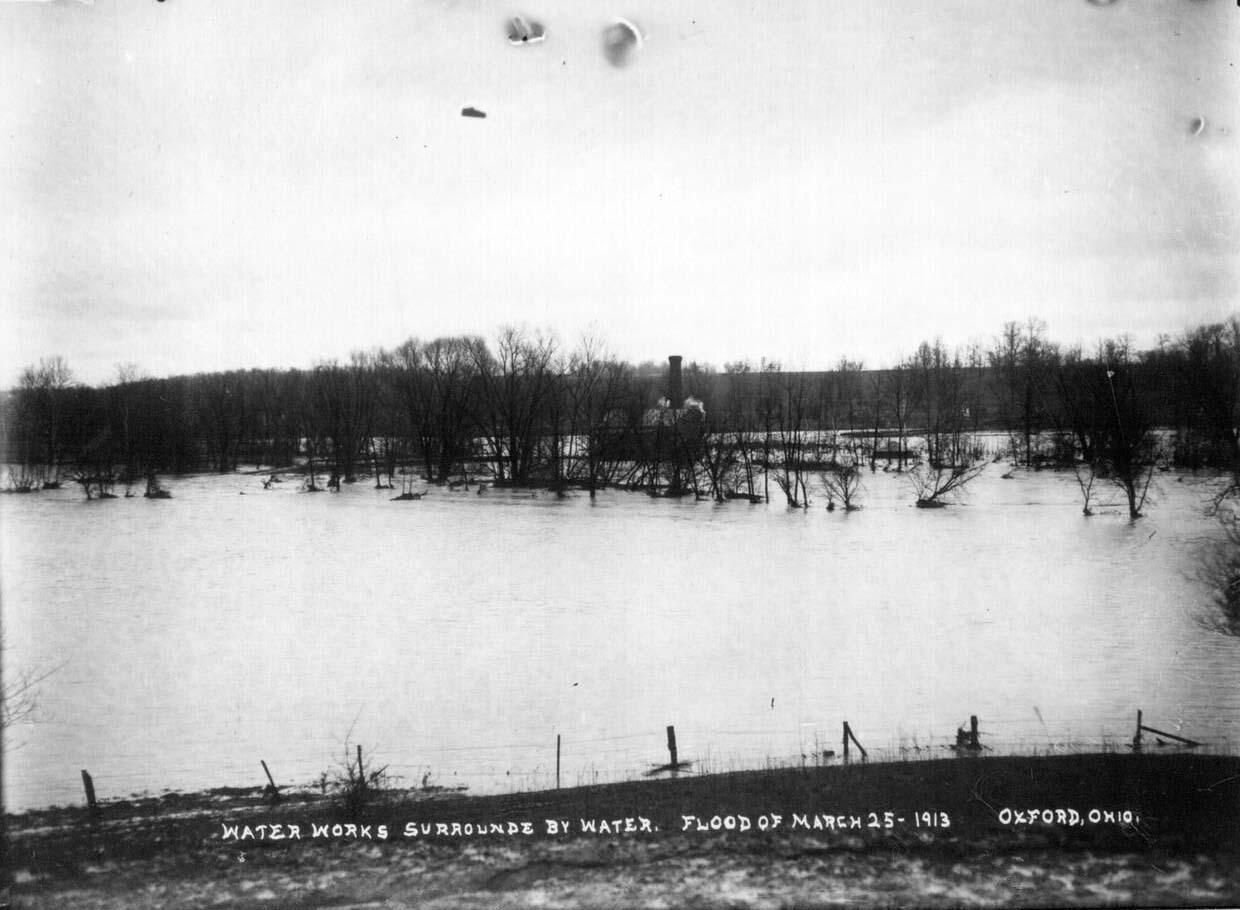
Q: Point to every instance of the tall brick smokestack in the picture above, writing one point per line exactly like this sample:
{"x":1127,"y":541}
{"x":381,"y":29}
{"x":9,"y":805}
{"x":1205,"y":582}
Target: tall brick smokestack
{"x":675,"y":393}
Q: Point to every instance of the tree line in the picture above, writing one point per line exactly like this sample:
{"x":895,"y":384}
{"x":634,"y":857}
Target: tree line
{"x":522,"y":409}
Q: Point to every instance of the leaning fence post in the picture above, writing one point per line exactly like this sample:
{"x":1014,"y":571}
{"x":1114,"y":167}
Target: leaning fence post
{"x":849,"y":734}
{"x":91,"y":804}
{"x":671,"y":745}
{"x":275,"y":791}
{"x":1136,"y":741}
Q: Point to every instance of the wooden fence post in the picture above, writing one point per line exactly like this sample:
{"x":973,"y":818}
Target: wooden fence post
{"x":671,"y":745}
{"x":973,"y":743}
{"x":91,"y":804}
{"x":849,"y":734}
{"x":275,"y":791}
{"x":1136,"y":740}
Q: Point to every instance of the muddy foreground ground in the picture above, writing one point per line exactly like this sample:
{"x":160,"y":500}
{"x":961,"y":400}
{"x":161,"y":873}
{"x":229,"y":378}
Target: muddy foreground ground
{"x":1093,"y":830}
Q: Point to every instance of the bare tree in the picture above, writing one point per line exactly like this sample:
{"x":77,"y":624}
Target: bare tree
{"x":220,"y":406}
{"x":789,"y":417}
{"x":127,"y":396}
{"x":934,"y":483}
{"x":1023,"y":363}
{"x":876,"y":380}
{"x":954,"y":457}
{"x":18,"y":693}
{"x":383,"y":439}
{"x":902,"y":402}
{"x":768,"y":418}
{"x":737,"y":414}
{"x":515,"y":385}
{"x":843,"y":483}
{"x":1128,"y":453}
{"x":310,"y":426}
{"x":343,"y":400}
{"x":42,"y":395}
{"x":720,"y":455}
{"x":597,"y":386}
{"x":1086,"y":474}
{"x":436,"y":387}
{"x":1205,"y":367}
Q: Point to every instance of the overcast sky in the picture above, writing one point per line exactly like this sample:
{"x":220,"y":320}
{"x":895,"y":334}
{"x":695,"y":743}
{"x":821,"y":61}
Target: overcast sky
{"x":207,"y":184}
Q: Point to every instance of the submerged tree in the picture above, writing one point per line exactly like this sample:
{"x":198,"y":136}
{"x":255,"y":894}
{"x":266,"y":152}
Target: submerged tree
{"x":954,"y":457}
{"x":790,"y":419}
{"x":1107,"y":415}
{"x":1023,"y":364}
{"x":904,"y":395}
{"x":843,"y":483}
{"x":934,"y":482}
{"x":587,"y":419}
{"x":1128,"y":455}
{"x":1086,"y":474}
{"x":436,"y":388}
{"x":220,"y":405}
{"x":767,"y":417}
{"x":515,"y":387}
{"x":1200,"y":373}
{"x":738,"y":416}
{"x":43,"y":395}
{"x":598,"y":383}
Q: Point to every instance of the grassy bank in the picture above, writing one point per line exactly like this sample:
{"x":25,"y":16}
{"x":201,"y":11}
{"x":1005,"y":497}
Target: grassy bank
{"x":1088,"y":830}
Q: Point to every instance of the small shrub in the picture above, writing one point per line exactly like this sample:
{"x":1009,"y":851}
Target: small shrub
{"x":355,"y":786}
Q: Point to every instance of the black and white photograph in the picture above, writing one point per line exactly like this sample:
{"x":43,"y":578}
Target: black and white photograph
{"x":580,"y":454}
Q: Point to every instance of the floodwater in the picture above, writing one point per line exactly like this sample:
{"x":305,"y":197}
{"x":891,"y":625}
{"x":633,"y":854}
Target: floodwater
{"x":456,"y":637}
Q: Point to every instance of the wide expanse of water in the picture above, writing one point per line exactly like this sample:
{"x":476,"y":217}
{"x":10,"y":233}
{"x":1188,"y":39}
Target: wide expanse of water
{"x":455,"y":637}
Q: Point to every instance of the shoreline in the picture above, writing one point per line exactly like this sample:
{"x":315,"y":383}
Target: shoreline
{"x":241,"y":797}
{"x":1113,"y":818}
